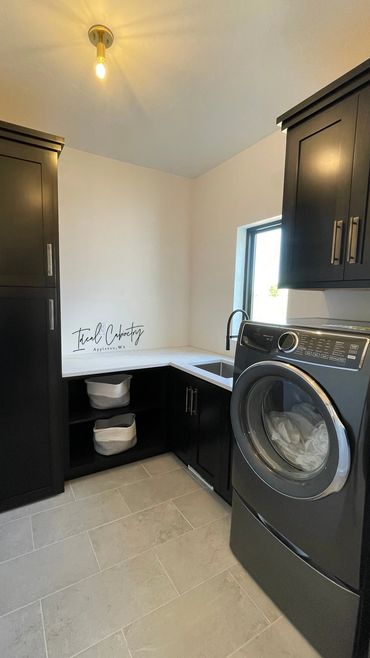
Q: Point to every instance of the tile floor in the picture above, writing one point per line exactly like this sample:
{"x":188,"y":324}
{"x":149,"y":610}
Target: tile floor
{"x":129,"y":563}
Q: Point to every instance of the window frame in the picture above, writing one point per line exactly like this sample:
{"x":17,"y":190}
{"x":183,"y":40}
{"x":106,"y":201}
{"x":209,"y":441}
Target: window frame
{"x":249,"y":263}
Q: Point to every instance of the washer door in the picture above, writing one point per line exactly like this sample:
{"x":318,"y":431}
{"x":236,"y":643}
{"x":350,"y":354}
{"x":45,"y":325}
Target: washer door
{"x":288,"y":431}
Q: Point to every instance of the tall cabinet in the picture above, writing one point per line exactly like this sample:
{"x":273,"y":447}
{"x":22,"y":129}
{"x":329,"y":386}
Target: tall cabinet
{"x":30,"y":374}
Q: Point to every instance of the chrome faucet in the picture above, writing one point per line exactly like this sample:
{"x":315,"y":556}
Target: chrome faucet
{"x":246,"y":317}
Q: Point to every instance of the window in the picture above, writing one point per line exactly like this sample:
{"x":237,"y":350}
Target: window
{"x":263,"y":301}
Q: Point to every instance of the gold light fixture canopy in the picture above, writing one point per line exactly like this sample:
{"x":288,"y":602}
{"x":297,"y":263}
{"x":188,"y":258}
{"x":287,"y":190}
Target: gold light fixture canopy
{"x":101,"y":37}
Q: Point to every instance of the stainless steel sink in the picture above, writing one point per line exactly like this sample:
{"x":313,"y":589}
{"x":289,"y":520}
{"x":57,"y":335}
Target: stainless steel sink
{"x":220,"y":368}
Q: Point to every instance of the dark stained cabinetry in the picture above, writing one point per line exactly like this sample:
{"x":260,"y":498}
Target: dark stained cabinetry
{"x":30,"y":446}
{"x":200,"y":433}
{"x":30,"y":388}
{"x":357,"y":263}
{"x":326,"y":227}
{"x":182,"y":424}
{"x":148,"y":401}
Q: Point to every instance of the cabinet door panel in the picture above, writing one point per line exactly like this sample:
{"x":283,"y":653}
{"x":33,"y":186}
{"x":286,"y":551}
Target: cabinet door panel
{"x":181,"y":441}
{"x":207,"y":448}
{"x":357,"y":264}
{"x":317,"y":195}
{"x":199,"y":430}
{"x":27,"y":215}
{"x":30,"y":372}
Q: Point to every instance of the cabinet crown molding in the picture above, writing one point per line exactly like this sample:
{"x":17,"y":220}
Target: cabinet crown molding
{"x":343,"y":86}
{"x":31,"y":136}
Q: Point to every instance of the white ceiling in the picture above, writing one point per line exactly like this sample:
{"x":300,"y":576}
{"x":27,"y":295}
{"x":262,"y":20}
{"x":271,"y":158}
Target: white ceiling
{"x":189,"y":82}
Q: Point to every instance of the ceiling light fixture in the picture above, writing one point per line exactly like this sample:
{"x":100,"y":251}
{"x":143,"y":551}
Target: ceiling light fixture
{"x":101,"y":37}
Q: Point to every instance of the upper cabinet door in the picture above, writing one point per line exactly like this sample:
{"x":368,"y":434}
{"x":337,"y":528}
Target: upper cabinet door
{"x":28,"y":215}
{"x":317,"y":192}
{"x":357,"y":256}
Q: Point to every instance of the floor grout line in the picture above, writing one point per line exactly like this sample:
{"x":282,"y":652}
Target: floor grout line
{"x":126,"y":642}
{"x":72,"y":503}
{"x":106,"y":523}
{"x":203,"y":525}
{"x":254,"y":637}
{"x":147,"y":614}
{"x":147,"y":549}
{"x":183,"y":515}
{"x":41,"y":548}
{"x":215,"y":575}
{"x":166,"y":573}
{"x":16,"y":557}
{"x":152,"y":549}
{"x":74,"y":499}
{"x":118,"y":631}
{"x":143,"y":509}
{"x":173,"y":600}
{"x":95,"y":527}
{"x":80,"y":580}
{"x":121,"y":630}
{"x":93,"y":550}
{"x":72,"y":491}
{"x":160,"y":473}
{"x":146,"y":470}
{"x":43,"y":629}
{"x":116,"y":487}
{"x":32,"y":537}
{"x":131,"y":513}
{"x":251,"y":598}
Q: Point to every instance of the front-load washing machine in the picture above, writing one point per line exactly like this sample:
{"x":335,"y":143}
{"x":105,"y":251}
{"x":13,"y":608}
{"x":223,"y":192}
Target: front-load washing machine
{"x":300,"y":518}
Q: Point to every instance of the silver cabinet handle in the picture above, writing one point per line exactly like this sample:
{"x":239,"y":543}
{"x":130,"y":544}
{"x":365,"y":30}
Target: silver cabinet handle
{"x":191,"y":400}
{"x":49,"y":258}
{"x":186,"y":399}
{"x":51,"y":315}
{"x":354,"y":227}
{"x":336,"y":247}
{"x":194,"y":406}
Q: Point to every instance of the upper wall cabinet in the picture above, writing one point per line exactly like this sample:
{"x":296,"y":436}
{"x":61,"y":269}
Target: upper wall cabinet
{"x":326,"y":209}
{"x":29,"y":207}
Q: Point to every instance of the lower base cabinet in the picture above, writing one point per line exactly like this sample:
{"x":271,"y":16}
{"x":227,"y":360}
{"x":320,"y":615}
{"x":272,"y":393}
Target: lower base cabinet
{"x":174,"y":411}
{"x":148,"y":401}
{"x":199,"y":431}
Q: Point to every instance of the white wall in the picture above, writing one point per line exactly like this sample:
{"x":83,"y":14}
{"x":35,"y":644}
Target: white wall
{"x":124,"y":249}
{"x":135,"y":243}
{"x":245,"y":189}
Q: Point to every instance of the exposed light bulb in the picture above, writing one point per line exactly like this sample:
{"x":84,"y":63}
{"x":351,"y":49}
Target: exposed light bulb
{"x":100,"y":70}
{"x":101,"y":37}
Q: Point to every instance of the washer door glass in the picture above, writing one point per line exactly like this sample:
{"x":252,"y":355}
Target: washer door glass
{"x":289,"y":431}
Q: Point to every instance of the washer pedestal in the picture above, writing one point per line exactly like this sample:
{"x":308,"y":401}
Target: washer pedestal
{"x":324,"y":611}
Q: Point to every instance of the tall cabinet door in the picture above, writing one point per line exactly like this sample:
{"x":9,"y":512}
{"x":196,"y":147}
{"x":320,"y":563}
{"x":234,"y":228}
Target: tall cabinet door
{"x":317,"y":196}
{"x":30,"y":377}
{"x":28,"y":215}
{"x":357,"y":256}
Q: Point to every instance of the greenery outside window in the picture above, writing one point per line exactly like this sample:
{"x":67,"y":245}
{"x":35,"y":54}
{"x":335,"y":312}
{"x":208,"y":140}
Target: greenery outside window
{"x":263,"y":300}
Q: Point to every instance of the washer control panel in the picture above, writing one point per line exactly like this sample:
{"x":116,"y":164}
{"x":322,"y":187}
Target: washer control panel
{"x":313,"y":346}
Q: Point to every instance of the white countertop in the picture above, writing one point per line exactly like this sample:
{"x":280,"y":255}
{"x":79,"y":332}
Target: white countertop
{"x":183,"y":358}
